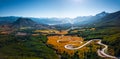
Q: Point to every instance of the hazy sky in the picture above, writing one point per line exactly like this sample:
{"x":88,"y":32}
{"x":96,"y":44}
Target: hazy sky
{"x":56,"y":8}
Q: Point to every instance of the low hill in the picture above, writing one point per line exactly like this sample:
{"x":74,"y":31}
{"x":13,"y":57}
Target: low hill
{"x":28,"y":23}
{"x":23,"y":22}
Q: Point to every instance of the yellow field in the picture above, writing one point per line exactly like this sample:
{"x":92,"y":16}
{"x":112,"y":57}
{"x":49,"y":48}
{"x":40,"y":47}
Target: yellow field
{"x":58,"y":42}
{"x":62,"y":32}
{"x":51,"y":31}
{"x":47,"y":31}
{"x":59,"y":46}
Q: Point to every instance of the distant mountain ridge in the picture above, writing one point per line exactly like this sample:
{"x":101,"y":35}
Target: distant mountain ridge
{"x":7,"y":20}
{"x":112,"y":19}
{"x":100,"y":19}
{"x":52,"y":21}
{"x":87,"y":20}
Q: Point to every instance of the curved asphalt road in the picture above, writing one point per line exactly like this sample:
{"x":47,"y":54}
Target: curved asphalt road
{"x":100,"y":52}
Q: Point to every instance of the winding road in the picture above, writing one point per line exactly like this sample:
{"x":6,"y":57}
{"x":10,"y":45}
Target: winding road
{"x":101,"y":53}
{"x":70,"y":46}
{"x":73,"y":28}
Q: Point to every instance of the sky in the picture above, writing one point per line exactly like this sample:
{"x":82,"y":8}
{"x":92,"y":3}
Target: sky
{"x":57,"y":8}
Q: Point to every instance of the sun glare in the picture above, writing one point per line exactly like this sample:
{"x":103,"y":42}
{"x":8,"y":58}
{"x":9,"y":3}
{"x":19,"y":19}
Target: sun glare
{"x":77,"y":1}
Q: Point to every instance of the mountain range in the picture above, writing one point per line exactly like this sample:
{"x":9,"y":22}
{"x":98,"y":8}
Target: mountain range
{"x":101,"y":19}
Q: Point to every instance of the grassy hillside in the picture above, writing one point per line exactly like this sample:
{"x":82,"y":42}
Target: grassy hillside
{"x":25,"y":47}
